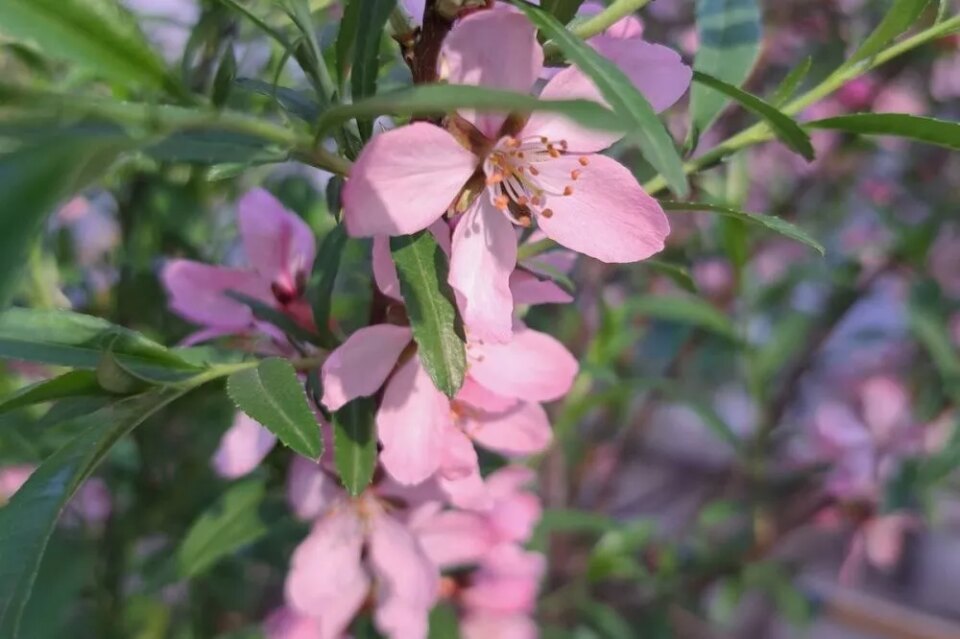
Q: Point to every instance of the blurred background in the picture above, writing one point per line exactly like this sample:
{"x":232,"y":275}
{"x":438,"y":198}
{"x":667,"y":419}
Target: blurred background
{"x":762,"y":442}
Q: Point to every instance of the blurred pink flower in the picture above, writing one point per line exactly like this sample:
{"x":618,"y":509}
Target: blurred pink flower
{"x":407,"y":178}
{"x":279,"y":247}
{"x":91,"y":504}
{"x":944,"y":259}
{"x":945,"y":79}
{"x":502,"y":595}
{"x":714,"y":277}
{"x":242,"y":447}
{"x":878,"y":541}
{"x":357,"y":547}
{"x":285,"y":623}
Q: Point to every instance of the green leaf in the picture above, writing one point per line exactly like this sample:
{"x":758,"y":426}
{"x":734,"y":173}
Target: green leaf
{"x":686,"y":310}
{"x":422,"y":270}
{"x":443,"y":98}
{"x":294,"y":102}
{"x":355,"y":443}
{"x":371,"y":20}
{"x":679,"y":274}
{"x":898,"y":19}
{"x":652,"y":138}
{"x":224,"y":80}
{"x":99,"y":34}
{"x":346,"y":38}
{"x":791,"y":82}
{"x":71,"y":384}
{"x":33,"y":181}
{"x":930,"y":327}
{"x":767,"y":221}
{"x":27,"y":522}
{"x":444,"y":623}
{"x":785,"y":128}
{"x":230,"y":524}
{"x":272,"y":395}
{"x":729,"y":33}
{"x":322,"y":280}
{"x":72,"y":339}
{"x":562,"y":10}
{"x":913,"y":127}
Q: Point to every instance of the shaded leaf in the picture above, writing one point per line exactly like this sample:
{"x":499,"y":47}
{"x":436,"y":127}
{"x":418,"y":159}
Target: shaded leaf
{"x":273,"y":396}
{"x":767,"y":221}
{"x":27,"y":522}
{"x":649,"y":133}
{"x":294,"y":102}
{"x":230,"y":524}
{"x":898,"y":19}
{"x":355,"y":443}
{"x":422,"y":270}
{"x":729,"y":32}
{"x":371,"y":19}
{"x":784,"y":127}
{"x":791,"y":82}
{"x":322,"y":280}
{"x":71,"y":384}
{"x":686,"y":310}
{"x":911,"y":127}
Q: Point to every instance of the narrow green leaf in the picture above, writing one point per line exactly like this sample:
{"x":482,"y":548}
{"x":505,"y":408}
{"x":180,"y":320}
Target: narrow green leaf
{"x":371,"y":20}
{"x":230,"y":524}
{"x":791,"y":82}
{"x":562,"y":10}
{"x":898,"y":19}
{"x":322,"y":280}
{"x":686,"y":310}
{"x":785,"y":128}
{"x":422,"y":270}
{"x":72,"y":339}
{"x":33,"y":181}
{"x":444,"y":623}
{"x":346,"y":38}
{"x":294,"y":102}
{"x":224,"y":80}
{"x":71,"y":384}
{"x":260,"y":24}
{"x":99,"y":34}
{"x":912,"y":127}
{"x":929,"y":325}
{"x":729,"y":32}
{"x":266,"y":313}
{"x":272,"y":395}
{"x":443,"y":98}
{"x":767,"y":221}
{"x":679,"y":274}
{"x":27,"y":522}
{"x":652,"y":138}
{"x":355,"y":443}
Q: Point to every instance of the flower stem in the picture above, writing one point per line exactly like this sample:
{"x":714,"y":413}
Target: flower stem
{"x":760,"y":132}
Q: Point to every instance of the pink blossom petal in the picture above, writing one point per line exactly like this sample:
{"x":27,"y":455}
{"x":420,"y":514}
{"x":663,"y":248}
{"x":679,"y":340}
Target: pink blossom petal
{"x":455,"y":538}
{"x":484,"y":256}
{"x":533,"y":366}
{"x":884,"y":538}
{"x":359,"y":366}
{"x":385,"y":271}
{"x":495,"y":626}
{"x":278,"y":243}
{"x":496,"y":49}
{"x":506,"y":582}
{"x":468,"y":492}
{"x":197,"y":292}
{"x":482,"y":398}
{"x":411,"y":421}
{"x":522,"y":430}
{"x":527,"y":288}
{"x":607,"y":216}
{"x":404,"y":180}
{"x":326,"y":579}
{"x":516,"y":511}
{"x":407,"y":581}
{"x":12,"y":478}
{"x":458,"y":458}
{"x":285,"y":623}
{"x":242,"y":447}
{"x":657,"y":71}
{"x":886,"y":408}
{"x":839,"y":428}
{"x":310,"y":491}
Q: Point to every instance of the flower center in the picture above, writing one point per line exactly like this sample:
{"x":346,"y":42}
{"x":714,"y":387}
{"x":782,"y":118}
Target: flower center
{"x":519,"y":185}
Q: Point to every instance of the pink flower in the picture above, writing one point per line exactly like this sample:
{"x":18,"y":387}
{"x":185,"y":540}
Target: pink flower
{"x":92,"y":503}
{"x":421,"y":430}
{"x":242,"y":447}
{"x":280,"y":248}
{"x":357,"y":546}
{"x":879,"y":541}
{"x":285,"y":623}
{"x":502,"y":595}
{"x":455,"y":538}
{"x":545,"y":168}
{"x":864,"y":445}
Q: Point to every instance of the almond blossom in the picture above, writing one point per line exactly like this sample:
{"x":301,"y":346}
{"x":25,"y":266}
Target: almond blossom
{"x":357,"y":547}
{"x":543,"y":168}
{"x":279,"y":248}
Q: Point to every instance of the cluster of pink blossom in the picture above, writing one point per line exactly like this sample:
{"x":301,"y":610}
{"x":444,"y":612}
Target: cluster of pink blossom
{"x":471,"y":182}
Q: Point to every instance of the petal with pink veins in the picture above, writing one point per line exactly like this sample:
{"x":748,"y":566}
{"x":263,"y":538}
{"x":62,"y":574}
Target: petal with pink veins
{"x":242,"y":447}
{"x":278,"y":243}
{"x":407,"y":581}
{"x":533,"y":366}
{"x":197,"y":292}
{"x":495,"y":49}
{"x":607,"y":214}
{"x":326,"y":579}
{"x":484,"y":256}
{"x":411,"y":421}
{"x":404,"y":180}
{"x":359,"y":366}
